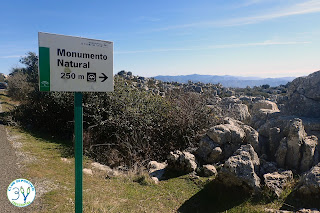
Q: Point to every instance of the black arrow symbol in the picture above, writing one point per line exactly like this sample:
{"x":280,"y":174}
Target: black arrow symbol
{"x":104,"y":77}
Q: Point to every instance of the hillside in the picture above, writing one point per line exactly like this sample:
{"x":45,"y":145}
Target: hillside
{"x":226,"y":80}
{"x":248,"y":140}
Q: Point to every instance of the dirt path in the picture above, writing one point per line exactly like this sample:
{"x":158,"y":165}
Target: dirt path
{"x":8,"y":171}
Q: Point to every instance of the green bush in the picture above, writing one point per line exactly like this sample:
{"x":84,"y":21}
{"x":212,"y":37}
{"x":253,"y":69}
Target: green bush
{"x":48,"y":112}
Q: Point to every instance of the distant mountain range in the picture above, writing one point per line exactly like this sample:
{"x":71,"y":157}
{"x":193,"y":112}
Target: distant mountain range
{"x":226,"y":80}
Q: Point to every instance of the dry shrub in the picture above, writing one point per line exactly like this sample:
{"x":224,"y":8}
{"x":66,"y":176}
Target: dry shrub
{"x":126,"y":127}
{"x":19,"y":87}
{"x":134,"y":126}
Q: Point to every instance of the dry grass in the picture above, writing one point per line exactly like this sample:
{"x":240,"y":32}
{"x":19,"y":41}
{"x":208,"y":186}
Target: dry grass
{"x":6,"y":102}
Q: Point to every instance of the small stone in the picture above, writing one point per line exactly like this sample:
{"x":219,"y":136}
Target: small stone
{"x":106,"y":169}
{"x":66,"y":160}
{"x":155,"y":180}
{"x":87,"y":171}
{"x":209,"y":170}
{"x":183,"y":162}
{"x":156,"y":170}
{"x":101,"y":167}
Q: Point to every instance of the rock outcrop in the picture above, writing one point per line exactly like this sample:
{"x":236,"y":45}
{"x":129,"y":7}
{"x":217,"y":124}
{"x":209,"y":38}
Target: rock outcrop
{"x":277,"y":181}
{"x":264,"y":104}
{"x":304,"y":96}
{"x":230,"y":107}
{"x":267,"y":166}
{"x":310,"y":182}
{"x":254,"y":144}
{"x":295,"y":140}
{"x":222,"y":140}
{"x":288,"y":144}
{"x":182,"y":162}
{"x":207,"y":170}
{"x":156,"y":170}
{"x":308,"y":153}
{"x":241,"y":169}
{"x":226,"y":133}
{"x":234,"y":108}
{"x":263,"y":110}
{"x":208,"y":151}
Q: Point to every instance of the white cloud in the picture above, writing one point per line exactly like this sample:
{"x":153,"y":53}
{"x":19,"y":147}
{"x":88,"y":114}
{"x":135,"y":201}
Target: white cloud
{"x":222,"y":46}
{"x":306,"y":7}
{"x":153,"y":50}
{"x":311,"y":6}
{"x":12,"y":56}
{"x":265,"y":43}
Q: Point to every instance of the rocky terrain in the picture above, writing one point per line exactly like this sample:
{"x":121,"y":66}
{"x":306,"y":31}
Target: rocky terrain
{"x":259,"y":143}
{"x":258,"y":139}
{"x":226,"y":80}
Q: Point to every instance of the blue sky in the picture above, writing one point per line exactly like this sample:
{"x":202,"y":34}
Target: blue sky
{"x":264,"y":38}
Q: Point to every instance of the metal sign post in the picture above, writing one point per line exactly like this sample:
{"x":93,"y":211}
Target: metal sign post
{"x":75,"y":64}
{"x":78,"y":150}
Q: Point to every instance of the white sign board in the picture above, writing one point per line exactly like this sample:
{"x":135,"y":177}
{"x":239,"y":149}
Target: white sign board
{"x":75,"y":64}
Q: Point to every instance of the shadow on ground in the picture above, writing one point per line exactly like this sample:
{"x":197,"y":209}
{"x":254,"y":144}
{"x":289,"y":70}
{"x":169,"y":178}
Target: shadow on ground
{"x":6,"y":103}
{"x":296,"y":201}
{"x":4,"y":95}
{"x":4,"y":118}
{"x":214,"y":197}
{"x":66,"y":145}
{"x":169,"y":174}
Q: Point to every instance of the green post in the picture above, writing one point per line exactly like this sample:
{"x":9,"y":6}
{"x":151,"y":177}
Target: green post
{"x":78,"y":150}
